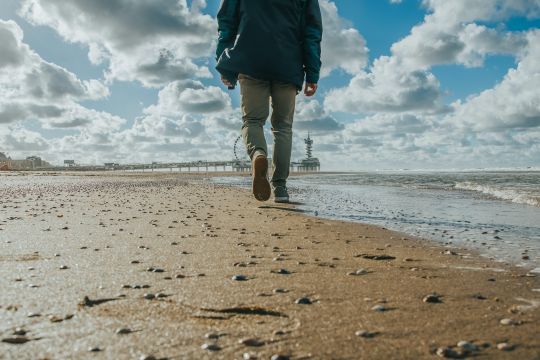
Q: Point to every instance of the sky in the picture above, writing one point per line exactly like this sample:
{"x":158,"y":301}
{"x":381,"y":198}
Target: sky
{"x":406,"y":84}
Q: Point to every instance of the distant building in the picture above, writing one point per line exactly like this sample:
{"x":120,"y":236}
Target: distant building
{"x":4,"y":162}
{"x":30,"y":163}
{"x":69,"y":163}
{"x":36,"y":161}
{"x":111,"y":166}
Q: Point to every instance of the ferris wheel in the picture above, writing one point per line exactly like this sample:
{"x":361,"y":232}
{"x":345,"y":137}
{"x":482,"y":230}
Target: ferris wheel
{"x":239,"y":152}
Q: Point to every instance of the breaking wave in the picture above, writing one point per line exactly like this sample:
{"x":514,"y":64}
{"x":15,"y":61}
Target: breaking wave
{"x":519,"y":196}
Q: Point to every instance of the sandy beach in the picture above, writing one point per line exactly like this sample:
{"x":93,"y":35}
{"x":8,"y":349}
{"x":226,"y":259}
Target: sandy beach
{"x":142,"y":266}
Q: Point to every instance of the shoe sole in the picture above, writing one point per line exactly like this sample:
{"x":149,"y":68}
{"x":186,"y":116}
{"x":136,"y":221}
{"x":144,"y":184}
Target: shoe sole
{"x":261,"y":186}
{"x":281,"y":200}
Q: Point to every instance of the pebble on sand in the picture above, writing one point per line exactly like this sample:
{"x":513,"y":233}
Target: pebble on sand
{"x":16,"y":340}
{"x":303,"y":301}
{"x":379,"y":308}
{"x":251,"y":342}
{"x":123,"y":331}
{"x":448,"y":353}
{"x":358,"y":272}
{"x":147,"y":357}
{"x":505,"y":347}
{"x":432,"y":299}
{"x":509,"y":322}
{"x":282,"y":272}
{"x":239,"y":278}
{"x":94,"y":349}
{"x":365,"y":334}
{"x":212,"y":335}
{"x":279,"y":357}
{"x":211,"y":347}
{"x":467,"y":346}
{"x":149,"y":296}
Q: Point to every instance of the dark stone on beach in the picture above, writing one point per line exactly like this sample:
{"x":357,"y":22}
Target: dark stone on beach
{"x":135,"y":262}
{"x":211,"y":347}
{"x":303,"y":301}
{"x":158,"y":270}
{"x":19,"y":332}
{"x":239,"y":278}
{"x":279,"y":357}
{"x":32,"y":315}
{"x":376,"y":257}
{"x":366,"y":334}
{"x":251,"y":342}
{"x":212,"y":335}
{"x":147,"y":357}
{"x":479,"y":297}
{"x":282,"y":272}
{"x":94,"y":349}
{"x":279,"y":291}
{"x":432,"y":299}
{"x":379,"y":308}
{"x":64,"y":267}
{"x":149,"y":296}
{"x":16,"y":340}
{"x":467,"y":346}
{"x":449,"y":353}
{"x":126,"y":286}
{"x":123,"y":331}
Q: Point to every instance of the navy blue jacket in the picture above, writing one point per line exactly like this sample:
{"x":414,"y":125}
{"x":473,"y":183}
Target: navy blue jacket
{"x":270,"y":40}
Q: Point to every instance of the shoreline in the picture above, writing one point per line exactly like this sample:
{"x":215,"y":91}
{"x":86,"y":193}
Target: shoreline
{"x":222,"y":232}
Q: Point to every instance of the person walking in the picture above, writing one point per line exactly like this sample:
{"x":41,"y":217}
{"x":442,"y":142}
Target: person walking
{"x":270,"y":47}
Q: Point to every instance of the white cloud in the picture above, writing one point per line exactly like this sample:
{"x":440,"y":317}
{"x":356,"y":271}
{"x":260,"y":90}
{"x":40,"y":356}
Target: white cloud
{"x":448,"y":35}
{"x":513,"y":104}
{"x":33,"y":89}
{"x":153,"y":42}
{"x":343,"y":47}
{"x":311,"y":116}
{"x":19,"y":139}
{"x":388,"y":87}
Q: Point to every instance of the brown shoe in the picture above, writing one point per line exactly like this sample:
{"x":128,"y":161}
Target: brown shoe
{"x":261,"y":186}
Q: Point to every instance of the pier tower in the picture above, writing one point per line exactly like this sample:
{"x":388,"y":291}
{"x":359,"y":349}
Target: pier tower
{"x":309,"y":163}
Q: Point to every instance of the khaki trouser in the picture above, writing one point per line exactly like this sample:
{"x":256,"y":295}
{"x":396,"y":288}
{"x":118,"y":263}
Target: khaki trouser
{"x":256,"y":95}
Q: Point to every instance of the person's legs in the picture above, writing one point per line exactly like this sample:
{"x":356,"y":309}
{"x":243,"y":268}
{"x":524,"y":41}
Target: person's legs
{"x":255,"y":97}
{"x":283,"y":105}
{"x":255,"y":109}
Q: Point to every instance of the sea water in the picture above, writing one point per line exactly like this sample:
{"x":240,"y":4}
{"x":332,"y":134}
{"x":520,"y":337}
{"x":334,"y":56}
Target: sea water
{"x":495,"y":212}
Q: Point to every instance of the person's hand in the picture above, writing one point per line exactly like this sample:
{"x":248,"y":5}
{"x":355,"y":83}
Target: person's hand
{"x":310,"y":89}
{"x":226,"y":82}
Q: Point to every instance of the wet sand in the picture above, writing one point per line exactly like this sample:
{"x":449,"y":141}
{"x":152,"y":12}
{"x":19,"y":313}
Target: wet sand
{"x":172,"y":266}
